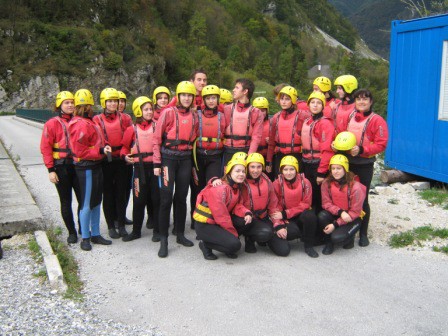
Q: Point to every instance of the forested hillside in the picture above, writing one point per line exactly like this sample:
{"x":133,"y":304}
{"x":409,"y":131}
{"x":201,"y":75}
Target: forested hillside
{"x":272,"y":41}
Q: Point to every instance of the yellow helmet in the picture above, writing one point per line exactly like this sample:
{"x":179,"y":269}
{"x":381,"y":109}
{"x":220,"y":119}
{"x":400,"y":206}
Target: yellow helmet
{"x":108,"y":94}
{"x":261,"y":102}
{"x":83,"y":97}
{"x":239,"y":155}
{"x":323,"y":83}
{"x":137,"y":105}
{"x":340,"y":160}
{"x":160,"y":89}
{"x":232,"y":163}
{"x":289,"y":160}
{"x":63,"y":95}
{"x":122,"y":95}
{"x":255,"y":157}
{"x":348,"y":82}
{"x":289,"y":91}
{"x":185,"y":87}
{"x":318,"y":95}
{"x":344,"y":141}
{"x":225,"y":97}
{"x":211,"y":90}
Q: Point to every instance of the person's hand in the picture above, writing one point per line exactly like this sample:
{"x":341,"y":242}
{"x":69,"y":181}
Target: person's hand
{"x":216,"y":182}
{"x":53,"y":177}
{"x":329,"y":228}
{"x":277,"y":215}
{"x":247,"y":219}
{"x":346,"y":217}
{"x":282,"y":233}
{"x":107,"y":149}
{"x":268,"y":169}
{"x":319,"y":180}
{"x":157,"y":171}
{"x":129,"y":159}
{"x":332,"y":147}
{"x":354,"y":151}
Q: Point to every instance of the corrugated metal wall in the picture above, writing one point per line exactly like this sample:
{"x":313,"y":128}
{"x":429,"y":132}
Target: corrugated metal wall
{"x":418,"y":140}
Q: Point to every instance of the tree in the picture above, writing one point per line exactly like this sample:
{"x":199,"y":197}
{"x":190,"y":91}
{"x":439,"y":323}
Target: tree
{"x":198,"y":29}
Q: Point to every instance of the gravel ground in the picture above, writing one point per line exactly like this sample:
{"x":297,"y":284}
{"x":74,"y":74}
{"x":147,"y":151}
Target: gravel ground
{"x":28,"y":306}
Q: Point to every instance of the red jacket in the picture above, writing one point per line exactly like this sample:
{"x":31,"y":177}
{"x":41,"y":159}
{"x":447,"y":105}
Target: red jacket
{"x":129,"y":137}
{"x":340,"y":115}
{"x":220,"y":201}
{"x":297,"y":128}
{"x":167,"y":124}
{"x":198,"y":103}
{"x":86,"y":140}
{"x":259,"y":199}
{"x":211,"y":131}
{"x":263,"y":146}
{"x":112,"y":136}
{"x":55,"y":143}
{"x":325,"y":133}
{"x":255,"y":123}
{"x":335,"y":200}
{"x":295,"y":197}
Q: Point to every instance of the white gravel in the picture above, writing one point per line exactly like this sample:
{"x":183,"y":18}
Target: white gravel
{"x":28,"y":306}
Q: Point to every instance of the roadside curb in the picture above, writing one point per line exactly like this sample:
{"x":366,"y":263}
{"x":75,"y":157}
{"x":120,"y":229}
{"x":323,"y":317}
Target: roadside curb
{"x":54,"y":270}
{"x":29,"y":122}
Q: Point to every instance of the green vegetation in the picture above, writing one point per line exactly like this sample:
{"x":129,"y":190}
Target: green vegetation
{"x":417,"y":235}
{"x":228,"y":38}
{"x":392,"y":201}
{"x":2,"y":113}
{"x":436,"y":196}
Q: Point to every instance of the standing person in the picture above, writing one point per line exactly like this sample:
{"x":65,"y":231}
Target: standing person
{"x":121,"y":107}
{"x":345,"y":87}
{"x":323,"y":84}
{"x":286,"y":127}
{"x":176,"y":131}
{"x":213,"y":221}
{"x":342,"y":199}
{"x":113,"y":124}
{"x":88,"y":147}
{"x":371,"y":133}
{"x":244,"y":123}
{"x":199,"y":79}
{"x":317,"y":135}
{"x":294,"y":194}
{"x":225,"y":98}
{"x":263,"y":105}
{"x":260,"y":202}
{"x":57,"y":156}
{"x":138,"y":150}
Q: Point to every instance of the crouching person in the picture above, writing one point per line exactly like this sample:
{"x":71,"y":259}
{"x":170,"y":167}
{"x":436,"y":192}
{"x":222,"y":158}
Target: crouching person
{"x":214,"y":204}
{"x":342,"y":200}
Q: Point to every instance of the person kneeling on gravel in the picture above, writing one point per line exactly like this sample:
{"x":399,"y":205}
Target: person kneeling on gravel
{"x":342,"y":200}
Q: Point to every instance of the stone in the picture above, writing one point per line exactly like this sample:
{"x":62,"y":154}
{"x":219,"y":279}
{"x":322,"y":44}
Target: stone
{"x":421,"y":185}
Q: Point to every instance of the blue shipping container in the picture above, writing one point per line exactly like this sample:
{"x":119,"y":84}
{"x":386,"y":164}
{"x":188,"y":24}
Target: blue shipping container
{"x":418,"y":131}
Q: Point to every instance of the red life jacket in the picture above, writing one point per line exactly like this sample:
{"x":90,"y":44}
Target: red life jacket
{"x":292,"y":197}
{"x":61,"y":149}
{"x":340,"y":198}
{"x":258,"y":194}
{"x":263,"y":146}
{"x":340,"y":113}
{"x":143,"y":143}
{"x":182,"y":133}
{"x":286,"y":137}
{"x":310,"y":144}
{"x":358,"y":128}
{"x":113,"y":132}
{"x":238,"y":132}
{"x":98,"y":140}
{"x":210,"y":132}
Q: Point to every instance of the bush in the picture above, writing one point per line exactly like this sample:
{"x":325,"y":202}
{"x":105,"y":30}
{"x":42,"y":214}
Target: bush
{"x":113,"y":61}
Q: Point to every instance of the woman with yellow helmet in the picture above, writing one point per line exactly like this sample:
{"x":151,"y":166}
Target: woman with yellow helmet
{"x":294,"y":194}
{"x":346,"y":85}
{"x":323,"y":84}
{"x":342,"y":200}
{"x":215,"y":203}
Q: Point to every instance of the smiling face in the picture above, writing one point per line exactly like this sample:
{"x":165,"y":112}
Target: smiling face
{"x":112,"y":105}
{"x":289,"y":172}
{"x":147,"y":112}
{"x":238,"y":173}
{"x":255,"y":169}
{"x":340,"y":92}
{"x":199,"y":81}
{"x":363,"y":104}
{"x":68,"y":106}
{"x":162,"y":99}
{"x":315,"y":106}
{"x":337,"y":171}
{"x":121,"y":105}
{"x":186,"y":99}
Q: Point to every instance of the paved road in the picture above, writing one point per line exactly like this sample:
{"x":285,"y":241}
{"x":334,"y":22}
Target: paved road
{"x":364,"y":291}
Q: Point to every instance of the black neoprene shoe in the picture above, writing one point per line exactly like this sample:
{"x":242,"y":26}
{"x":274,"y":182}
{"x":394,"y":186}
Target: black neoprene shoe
{"x":328,"y":249}
{"x":72,"y":238}
{"x":311,"y":252}
{"x":249,"y":246}
{"x":207,"y":252}
{"x":113,"y":234}
{"x":184,"y":241}
{"x":85,"y":244}
{"x":364,"y":241}
{"x":131,"y":236}
{"x":100,"y":240}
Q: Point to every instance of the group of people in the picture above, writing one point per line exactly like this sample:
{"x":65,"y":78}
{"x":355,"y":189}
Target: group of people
{"x":301,"y":174}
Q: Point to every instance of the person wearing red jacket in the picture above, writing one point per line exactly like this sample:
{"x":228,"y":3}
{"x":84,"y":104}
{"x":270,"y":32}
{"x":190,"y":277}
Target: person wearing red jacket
{"x":286,"y":127}
{"x":294,"y":194}
{"x":88,"y":147}
{"x":112,"y":125}
{"x":213,"y":220}
{"x":317,"y":135}
{"x":244,"y":122}
{"x":259,"y":201}
{"x":199,"y":79}
{"x":57,"y":156}
{"x":342,"y":200}
{"x":176,"y":132}
{"x":346,"y":86}
{"x":371,"y":133}
{"x":323,"y":84}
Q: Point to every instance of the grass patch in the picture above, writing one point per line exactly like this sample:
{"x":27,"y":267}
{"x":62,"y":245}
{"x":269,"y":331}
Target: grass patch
{"x":435,"y":196}
{"x":35,"y":249}
{"x":417,"y":235}
{"x":3,"y":113}
{"x":392,"y":201}
{"x":41,"y":274}
{"x":68,"y":265}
